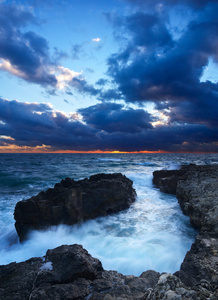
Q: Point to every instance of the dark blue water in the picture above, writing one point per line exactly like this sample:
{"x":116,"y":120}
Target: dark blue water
{"x":152,"y":234}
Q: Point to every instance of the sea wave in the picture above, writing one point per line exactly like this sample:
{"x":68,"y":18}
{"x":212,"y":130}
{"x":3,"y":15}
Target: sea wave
{"x":109,"y":159}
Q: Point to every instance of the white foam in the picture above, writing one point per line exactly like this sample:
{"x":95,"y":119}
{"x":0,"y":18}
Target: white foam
{"x":109,"y":159}
{"x":147,"y":236}
{"x":47,"y":266}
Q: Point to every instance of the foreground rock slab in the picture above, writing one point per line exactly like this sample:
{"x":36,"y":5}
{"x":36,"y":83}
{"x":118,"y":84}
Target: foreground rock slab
{"x":196,"y":188}
{"x":70,"y":272}
{"x":70,"y":202}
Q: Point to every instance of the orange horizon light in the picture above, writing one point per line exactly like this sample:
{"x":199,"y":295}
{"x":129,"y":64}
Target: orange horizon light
{"x":48,"y":149}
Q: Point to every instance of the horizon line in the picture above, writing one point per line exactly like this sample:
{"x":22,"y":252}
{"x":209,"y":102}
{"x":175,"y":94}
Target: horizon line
{"x":106,"y":152}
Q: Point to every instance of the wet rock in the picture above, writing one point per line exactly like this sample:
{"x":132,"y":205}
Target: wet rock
{"x":197,"y":193}
{"x":70,"y":263}
{"x":196,"y":188}
{"x":70,"y":202}
{"x":69,"y":272}
{"x":170,"y":287}
{"x":166,"y":180}
{"x":64,"y":273}
{"x":17,"y":280}
{"x":201,"y":262}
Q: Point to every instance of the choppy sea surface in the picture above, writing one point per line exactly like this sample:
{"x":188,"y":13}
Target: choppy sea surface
{"x":152,"y":234}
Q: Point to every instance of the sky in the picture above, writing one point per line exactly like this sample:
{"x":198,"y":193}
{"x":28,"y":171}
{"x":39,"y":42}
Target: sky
{"x":109,"y":76}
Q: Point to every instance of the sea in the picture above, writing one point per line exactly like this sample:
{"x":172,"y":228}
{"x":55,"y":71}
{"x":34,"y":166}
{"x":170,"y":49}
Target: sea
{"x":152,"y":234}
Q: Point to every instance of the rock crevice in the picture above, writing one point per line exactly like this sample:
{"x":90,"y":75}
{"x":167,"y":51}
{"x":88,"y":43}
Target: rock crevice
{"x":196,"y":188}
{"x":70,"y":272}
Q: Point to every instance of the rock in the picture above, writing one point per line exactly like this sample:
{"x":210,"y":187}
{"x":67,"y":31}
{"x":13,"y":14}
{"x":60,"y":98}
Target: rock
{"x":170,"y":287}
{"x":201,"y":262}
{"x":16,"y":280}
{"x":196,"y":188}
{"x":70,"y":202}
{"x":151,"y":278}
{"x":197,"y":193}
{"x":69,"y":272}
{"x":166,"y":180}
{"x":70,"y":263}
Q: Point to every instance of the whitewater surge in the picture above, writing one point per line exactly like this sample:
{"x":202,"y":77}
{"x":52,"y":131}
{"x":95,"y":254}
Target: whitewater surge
{"x":152,"y":234}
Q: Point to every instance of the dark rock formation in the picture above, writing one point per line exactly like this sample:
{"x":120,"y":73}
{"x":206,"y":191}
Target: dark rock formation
{"x":201,"y":262}
{"x":196,"y":188}
{"x":197,"y":192}
{"x":69,"y":272}
{"x":70,"y":202}
{"x":170,"y":287}
{"x":166,"y":180}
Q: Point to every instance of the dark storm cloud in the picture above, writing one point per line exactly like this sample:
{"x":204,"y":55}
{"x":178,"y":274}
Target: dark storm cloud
{"x":175,"y":139}
{"x":191,"y":3}
{"x":157,"y":67}
{"x":148,"y":30}
{"x":33,"y":124}
{"x":27,"y":52}
{"x":112,"y":117}
{"x":106,"y":95}
{"x":108,"y":127}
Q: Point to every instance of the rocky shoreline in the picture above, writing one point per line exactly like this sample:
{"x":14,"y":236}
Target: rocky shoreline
{"x":69,"y":272}
{"x":196,"y":188}
{"x":71,"y":202}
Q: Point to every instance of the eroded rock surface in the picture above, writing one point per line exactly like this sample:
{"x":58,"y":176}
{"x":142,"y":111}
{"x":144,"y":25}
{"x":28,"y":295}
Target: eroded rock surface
{"x":70,"y":272}
{"x":196,"y":188}
{"x":70,"y":202}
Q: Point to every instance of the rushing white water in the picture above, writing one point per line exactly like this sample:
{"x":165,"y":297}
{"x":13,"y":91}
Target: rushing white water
{"x":152,"y":234}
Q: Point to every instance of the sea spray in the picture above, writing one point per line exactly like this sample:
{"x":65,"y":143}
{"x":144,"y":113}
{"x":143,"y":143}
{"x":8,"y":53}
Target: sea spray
{"x":140,"y":238}
{"x":152,"y":234}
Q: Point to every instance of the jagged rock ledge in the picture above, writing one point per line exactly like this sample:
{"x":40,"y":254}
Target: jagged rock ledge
{"x":196,"y":188}
{"x":69,"y":272}
{"x":71,"y":202}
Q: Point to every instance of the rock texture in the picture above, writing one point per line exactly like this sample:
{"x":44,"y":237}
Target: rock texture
{"x":196,"y":188}
{"x":197,"y":193}
{"x":70,"y":202}
{"x":70,"y":272}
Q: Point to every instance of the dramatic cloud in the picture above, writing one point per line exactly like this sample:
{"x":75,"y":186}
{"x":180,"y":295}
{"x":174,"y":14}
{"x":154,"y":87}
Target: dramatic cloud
{"x":112,"y":117}
{"x":157,"y":67}
{"x":104,"y":126}
{"x":34,"y":124}
{"x":25,"y":54}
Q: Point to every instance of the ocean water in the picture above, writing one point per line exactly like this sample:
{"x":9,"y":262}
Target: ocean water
{"x":152,"y":234}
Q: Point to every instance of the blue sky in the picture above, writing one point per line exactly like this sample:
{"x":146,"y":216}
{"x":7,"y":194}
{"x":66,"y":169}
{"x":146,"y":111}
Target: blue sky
{"x":118,"y":75}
